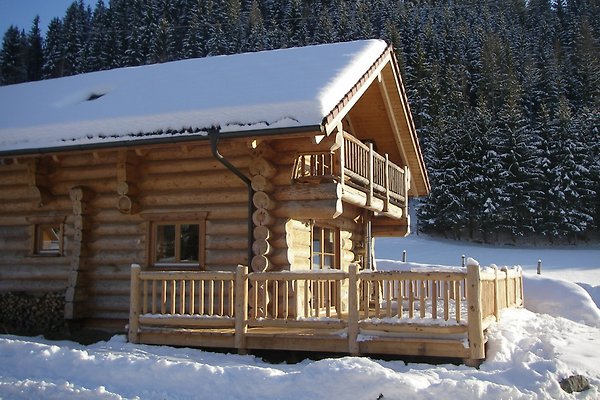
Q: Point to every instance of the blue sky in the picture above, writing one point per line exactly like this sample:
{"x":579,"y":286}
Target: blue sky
{"x":22,"y":12}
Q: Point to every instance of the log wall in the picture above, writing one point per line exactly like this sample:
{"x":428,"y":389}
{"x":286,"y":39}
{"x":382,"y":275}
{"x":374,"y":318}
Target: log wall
{"x":106,"y":200}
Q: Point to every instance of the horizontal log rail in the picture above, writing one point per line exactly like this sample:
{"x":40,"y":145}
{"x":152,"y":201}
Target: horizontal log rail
{"x":444,"y":304}
{"x":358,"y":164}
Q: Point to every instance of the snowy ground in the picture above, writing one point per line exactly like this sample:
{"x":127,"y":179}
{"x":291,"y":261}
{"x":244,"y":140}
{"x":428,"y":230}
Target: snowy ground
{"x":528,"y":352}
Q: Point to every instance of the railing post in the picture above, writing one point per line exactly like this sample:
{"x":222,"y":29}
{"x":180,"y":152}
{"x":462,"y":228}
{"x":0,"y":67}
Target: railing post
{"x":342,"y":157}
{"x":386,"y":179}
{"x":406,"y":188}
{"x":353,"y":347}
{"x":496,"y":294}
{"x":241,"y":307}
{"x":370,"y":172}
{"x":475,"y":323}
{"x":506,"y":285}
{"x":134,"y":304}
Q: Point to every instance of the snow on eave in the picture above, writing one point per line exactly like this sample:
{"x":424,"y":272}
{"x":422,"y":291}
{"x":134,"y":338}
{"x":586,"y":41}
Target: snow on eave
{"x":244,"y":94}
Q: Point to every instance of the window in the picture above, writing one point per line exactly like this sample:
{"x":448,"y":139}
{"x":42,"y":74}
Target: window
{"x":177,"y":243}
{"x":48,"y":239}
{"x":177,"y":240}
{"x":324,"y":244}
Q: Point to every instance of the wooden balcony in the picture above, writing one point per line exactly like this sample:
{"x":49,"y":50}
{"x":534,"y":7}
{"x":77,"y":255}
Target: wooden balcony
{"x":368,"y":179}
{"x":440,"y":313}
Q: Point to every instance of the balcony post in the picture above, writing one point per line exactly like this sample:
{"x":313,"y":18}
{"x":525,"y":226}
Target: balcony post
{"x":342,"y":156}
{"x":405,"y":189}
{"x":386,"y":177}
{"x":370,"y":172}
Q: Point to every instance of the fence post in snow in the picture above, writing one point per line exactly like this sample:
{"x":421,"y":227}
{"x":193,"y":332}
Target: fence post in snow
{"x":463,"y":261}
{"x":404,"y":256}
{"x":539,"y":267}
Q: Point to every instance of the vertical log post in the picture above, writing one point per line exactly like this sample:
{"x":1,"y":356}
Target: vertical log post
{"x":506,"y":287}
{"x":386,"y":178}
{"x":475,"y":325}
{"x":353,"y":347}
{"x":134,"y":304}
{"x":241,"y":308}
{"x":370,"y":173}
{"x":496,"y":294}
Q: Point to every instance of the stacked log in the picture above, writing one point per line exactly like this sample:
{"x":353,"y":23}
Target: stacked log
{"x":26,"y":314}
{"x":37,"y":180}
{"x":75,"y":293}
{"x":261,"y":171}
{"x":126,"y":173}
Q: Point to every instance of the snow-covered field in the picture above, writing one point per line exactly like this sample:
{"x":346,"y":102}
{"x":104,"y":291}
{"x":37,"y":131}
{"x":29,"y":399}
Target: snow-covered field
{"x":529,"y":351}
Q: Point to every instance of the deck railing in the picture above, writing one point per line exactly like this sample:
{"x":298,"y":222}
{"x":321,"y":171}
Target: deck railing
{"x":356,"y":163}
{"x":441,"y":303}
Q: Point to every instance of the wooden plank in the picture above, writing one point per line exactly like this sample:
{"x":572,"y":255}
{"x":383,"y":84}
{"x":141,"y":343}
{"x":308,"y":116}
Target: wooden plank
{"x":413,"y":328}
{"x":415,"y":347}
{"x":188,"y":321}
{"x":296,"y":323}
{"x":188,"y":275}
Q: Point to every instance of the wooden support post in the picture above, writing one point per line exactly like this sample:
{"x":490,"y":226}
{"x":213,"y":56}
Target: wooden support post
{"x":370,"y":172}
{"x":475,"y":327}
{"x":342,"y":154}
{"x":134,"y":304}
{"x":241,"y":308}
{"x":353,"y":347}
{"x":505,"y":270}
{"x":496,"y":295}
{"x":386,"y":178}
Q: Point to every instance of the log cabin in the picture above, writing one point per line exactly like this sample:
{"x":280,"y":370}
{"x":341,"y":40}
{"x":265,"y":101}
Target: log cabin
{"x":286,"y":160}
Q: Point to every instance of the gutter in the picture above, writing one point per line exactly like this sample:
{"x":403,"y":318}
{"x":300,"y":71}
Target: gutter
{"x":214,"y":135}
{"x":162,"y":139}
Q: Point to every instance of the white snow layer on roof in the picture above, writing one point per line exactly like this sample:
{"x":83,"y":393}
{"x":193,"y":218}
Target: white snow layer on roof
{"x":270,"y":89}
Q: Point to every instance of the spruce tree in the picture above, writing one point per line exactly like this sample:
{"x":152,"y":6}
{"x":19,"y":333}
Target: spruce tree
{"x":13,"y":57}
{"x":35,"y":52}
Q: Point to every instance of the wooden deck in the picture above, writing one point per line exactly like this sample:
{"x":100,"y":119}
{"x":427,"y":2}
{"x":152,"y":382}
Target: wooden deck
{"x":439,"y":314}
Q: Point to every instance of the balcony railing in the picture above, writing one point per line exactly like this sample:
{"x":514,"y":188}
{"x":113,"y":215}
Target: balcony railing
{"x":358,"y":165}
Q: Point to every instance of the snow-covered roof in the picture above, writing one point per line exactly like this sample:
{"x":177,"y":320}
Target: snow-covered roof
{"x":288,"y":88}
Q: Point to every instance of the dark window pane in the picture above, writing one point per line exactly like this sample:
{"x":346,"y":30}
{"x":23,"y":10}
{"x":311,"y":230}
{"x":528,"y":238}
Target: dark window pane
{"x":189,"y":242}
{"x":328,"y":262}
{"x":329,"y":241}
{"x":316,"y":240}
{"x":165,"y":243}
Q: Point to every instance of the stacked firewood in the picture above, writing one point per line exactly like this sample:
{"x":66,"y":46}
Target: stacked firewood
{"x":26,"y":314}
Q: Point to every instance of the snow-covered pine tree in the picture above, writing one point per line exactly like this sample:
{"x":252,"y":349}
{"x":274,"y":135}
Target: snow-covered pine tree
{"x":13,"y":68}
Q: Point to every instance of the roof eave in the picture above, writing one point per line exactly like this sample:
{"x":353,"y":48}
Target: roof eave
{"x":171,"y":139}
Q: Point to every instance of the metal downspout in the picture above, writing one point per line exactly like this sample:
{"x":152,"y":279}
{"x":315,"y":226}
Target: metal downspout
{"x":214,"y":135}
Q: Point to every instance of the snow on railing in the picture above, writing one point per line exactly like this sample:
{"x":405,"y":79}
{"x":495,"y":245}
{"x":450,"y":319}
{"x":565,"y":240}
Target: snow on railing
{"x":461,"y":301}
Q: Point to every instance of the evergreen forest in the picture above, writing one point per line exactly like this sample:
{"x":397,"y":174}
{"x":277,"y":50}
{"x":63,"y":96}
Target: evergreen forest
{"x":505,"y":93}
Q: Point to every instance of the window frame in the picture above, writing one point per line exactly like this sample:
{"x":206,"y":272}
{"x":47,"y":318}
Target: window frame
{"x":38,"y":221}
{"x":155,"y":220}
{"x":38,"y":242}
{"x":321,"y":252}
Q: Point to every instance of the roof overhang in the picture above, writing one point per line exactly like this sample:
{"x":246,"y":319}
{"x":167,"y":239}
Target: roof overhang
{"x":173,"y":138}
